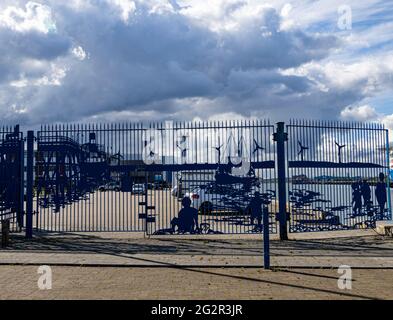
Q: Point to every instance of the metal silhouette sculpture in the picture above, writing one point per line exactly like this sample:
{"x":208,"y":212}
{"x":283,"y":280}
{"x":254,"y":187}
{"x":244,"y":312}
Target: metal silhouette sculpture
{"x":218,"y":149}
{"x":366,"y":195}
{"x":257,"y":206}
{"x":118,"y":157}
{"x":311,"y":211}
{"x":330,"y":164}
{"x":71,"y":169}
{"x":228,"y":194}
{"x":340,"y":147}
{"x":356,"y":199}
{"x":381,"y":193}
{"x":322,"y":198}
{"x":11,"y":177}
{"x":183,"y":151}
{"x":257,"y":147}
{"x":68,"y":171}
{"x":302,"y":149}
{"x":187,"y":220}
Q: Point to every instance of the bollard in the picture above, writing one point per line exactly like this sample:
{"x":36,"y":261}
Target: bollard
{"x":5,"y":233}
{"x":266,"y":240}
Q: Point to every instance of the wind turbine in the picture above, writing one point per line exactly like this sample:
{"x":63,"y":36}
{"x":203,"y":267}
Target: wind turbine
{"x":219,"y":150}
{"x":257,"y":147}
{"x":117,"y":156}
{"x":339,"y":151}
{"x":183,"y":150}
{"x":302,"y":149}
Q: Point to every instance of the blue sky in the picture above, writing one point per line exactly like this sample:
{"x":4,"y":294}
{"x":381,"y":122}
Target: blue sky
{"x":125,"y":60}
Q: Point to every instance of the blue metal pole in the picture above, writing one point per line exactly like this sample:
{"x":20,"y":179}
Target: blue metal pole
{"x":29,"y":185}
{"x":266,"y":240}
{"x":281,"y":137}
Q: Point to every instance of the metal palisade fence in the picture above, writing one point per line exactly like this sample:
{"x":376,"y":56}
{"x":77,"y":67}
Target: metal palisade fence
{"x":198,"y":177}
{"x":11,"y":177}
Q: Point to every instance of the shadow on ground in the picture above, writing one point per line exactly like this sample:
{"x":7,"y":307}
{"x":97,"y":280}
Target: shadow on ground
{"x":363,"y":246}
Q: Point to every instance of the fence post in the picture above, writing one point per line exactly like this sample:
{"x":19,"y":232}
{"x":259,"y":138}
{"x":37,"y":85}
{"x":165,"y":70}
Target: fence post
{"x":266,"y":240}
{"x":388,"y":178}
{"x":281,"y":137}
{"x":29,"y":184}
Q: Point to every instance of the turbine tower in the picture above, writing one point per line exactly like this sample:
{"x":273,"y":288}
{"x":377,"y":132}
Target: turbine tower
{"x":218,"y":148}
{"x":340,"y":147}
{"x":302,"y":149}
{"x":257,"y":147}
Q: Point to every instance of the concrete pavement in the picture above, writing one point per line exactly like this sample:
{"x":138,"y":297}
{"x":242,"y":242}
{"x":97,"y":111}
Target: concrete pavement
{"x":363,"y":249}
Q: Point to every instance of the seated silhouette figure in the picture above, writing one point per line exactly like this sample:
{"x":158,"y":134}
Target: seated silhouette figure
{"x":380,"y":193}
{"x":187,"y":220}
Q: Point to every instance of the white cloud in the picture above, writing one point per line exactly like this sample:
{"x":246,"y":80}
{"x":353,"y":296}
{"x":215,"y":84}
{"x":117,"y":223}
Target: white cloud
{"x":79,"y":53}
{"x":34,"y":16}
{"x":127,"y":7}
{"x":387,"y":120}
{"x":360,"y":113}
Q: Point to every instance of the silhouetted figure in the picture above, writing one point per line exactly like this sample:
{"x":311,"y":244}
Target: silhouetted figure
{"x":256,"y":210}
{"x":187,"y":221}
{"x":380,"y":193}
{"x":366,"y":194}
{"x":356,"y":199}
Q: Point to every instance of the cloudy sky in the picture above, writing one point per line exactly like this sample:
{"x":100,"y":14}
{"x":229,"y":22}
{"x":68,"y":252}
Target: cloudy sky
{"x":124,"y":60}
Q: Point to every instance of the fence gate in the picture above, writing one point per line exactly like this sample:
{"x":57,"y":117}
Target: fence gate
{"x":133,"y":177}
{"x":11,"y":176}
{"x":337,"y":175}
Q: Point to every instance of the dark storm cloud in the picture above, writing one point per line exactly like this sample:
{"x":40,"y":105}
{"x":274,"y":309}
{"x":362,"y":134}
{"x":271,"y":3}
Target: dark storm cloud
{"x":158,"y":62}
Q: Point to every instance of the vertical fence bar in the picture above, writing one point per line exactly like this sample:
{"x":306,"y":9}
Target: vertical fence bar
{"x":29,"y":184}
{"x":22,"y":178}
